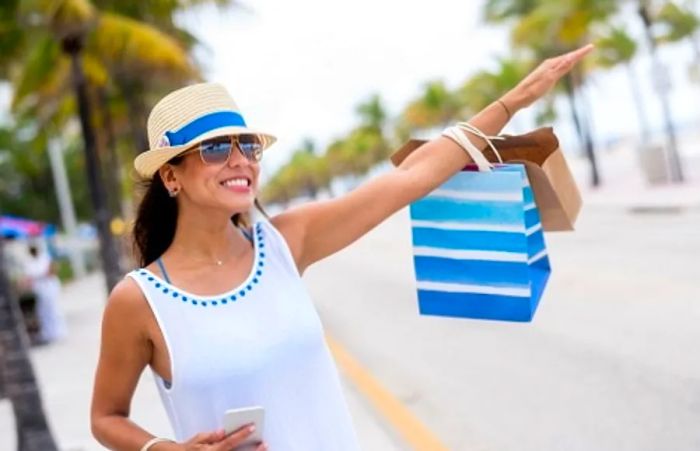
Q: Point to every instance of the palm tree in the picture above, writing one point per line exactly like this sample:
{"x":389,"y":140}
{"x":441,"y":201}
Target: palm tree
{"x":683,"y":23}
{"x":372,"y":113}
{"x":679,"y":23}
{"x":72,"y":45}
{"x":436,"y":106}
{"x":485,"y":86}
{"x":613,"y":49}
{"x":99,"y":46}
{"x":498,"y":10}
{"x":130,"y":48}
{"x":547,"y":27}
{"x":69,"y":22}
{"x":17,"y":375}
{"x":304,"y":174}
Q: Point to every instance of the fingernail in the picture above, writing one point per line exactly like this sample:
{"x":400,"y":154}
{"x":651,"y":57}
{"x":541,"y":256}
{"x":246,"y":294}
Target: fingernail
{"x":251,"y":428}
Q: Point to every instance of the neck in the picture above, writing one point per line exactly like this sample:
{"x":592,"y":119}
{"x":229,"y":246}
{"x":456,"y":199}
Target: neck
{"x":206,"y":238}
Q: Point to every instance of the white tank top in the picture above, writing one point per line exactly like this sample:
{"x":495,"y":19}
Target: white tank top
{"x":261,"y":343}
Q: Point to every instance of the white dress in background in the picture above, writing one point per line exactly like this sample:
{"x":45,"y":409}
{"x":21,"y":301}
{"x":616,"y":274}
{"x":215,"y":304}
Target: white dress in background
{"x":47,"y":288}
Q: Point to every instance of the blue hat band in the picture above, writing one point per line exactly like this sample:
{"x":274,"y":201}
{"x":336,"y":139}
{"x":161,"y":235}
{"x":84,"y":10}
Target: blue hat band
{"x":204,"y":124}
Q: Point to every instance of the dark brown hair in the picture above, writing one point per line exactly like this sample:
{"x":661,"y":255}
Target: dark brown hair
{"x":156,"y":220}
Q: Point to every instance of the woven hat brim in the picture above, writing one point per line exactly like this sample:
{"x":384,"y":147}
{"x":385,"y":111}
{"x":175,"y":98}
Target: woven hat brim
{"x":148,"y":163}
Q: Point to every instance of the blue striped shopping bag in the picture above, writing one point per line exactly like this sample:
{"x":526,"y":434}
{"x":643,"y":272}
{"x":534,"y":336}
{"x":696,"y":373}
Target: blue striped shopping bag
{"x":478,"y":245}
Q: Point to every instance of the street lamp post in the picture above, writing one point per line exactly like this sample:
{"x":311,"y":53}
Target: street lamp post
{"x":661,"y":84}
{"x":65,"y":204}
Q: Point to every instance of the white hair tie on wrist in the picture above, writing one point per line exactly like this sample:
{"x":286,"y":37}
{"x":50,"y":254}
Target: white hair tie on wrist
{"x":153,"y":441}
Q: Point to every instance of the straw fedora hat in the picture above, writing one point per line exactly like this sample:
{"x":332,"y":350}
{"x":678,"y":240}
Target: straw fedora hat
{"x":186,"y":117}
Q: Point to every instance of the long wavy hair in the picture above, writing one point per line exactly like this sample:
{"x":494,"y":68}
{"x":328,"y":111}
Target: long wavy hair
{"x":156,"y":220}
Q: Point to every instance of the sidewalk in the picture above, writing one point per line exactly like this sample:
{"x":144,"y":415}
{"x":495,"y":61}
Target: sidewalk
{"x":623,"y":185}
{"x":66,"y":369}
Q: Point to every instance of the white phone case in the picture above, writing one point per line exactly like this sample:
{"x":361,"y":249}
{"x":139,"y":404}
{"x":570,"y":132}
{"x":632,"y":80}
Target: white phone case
{"x":235,"y":419}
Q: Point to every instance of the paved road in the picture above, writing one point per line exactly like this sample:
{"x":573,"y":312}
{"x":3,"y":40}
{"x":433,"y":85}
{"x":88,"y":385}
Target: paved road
{"x":611,"y":361}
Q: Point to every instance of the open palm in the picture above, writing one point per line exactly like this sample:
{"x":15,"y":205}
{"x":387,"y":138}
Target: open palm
{"x":548,"y":73}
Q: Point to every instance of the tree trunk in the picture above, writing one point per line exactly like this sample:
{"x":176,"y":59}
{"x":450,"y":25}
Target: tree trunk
{"x":132,"y":92}
{"x":644,"y":128}
{"x":583,"y":131}
{"x":112,"y":164}
{"x":108,"y":251}
{"x":17,"y":374}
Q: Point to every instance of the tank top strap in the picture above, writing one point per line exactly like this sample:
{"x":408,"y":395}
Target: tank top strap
{"x":161,"y":266}
{"x":247,"y":234}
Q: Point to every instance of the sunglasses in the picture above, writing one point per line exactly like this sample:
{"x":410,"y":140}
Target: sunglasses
{"x":218,"y":150}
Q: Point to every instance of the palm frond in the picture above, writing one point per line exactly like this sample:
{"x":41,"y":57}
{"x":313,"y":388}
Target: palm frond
{"x":125,"y":44}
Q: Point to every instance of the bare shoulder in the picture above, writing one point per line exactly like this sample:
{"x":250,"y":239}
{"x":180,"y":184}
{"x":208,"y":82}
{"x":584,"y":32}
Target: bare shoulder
{"x":127,"y":305}
{"x":292,"y":226}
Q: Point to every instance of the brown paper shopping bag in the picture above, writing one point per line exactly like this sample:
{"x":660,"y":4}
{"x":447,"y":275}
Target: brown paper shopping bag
{"x":556,"y":194}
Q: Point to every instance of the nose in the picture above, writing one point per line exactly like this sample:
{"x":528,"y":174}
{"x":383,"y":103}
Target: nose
{"x":237,"y":158}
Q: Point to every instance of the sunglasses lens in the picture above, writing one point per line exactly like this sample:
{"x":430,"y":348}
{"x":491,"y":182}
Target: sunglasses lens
{"x":215,"y":151}
{"x":251,"y":146}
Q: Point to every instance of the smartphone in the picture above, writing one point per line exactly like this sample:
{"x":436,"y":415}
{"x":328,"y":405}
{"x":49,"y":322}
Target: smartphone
{"x":235,"y":419}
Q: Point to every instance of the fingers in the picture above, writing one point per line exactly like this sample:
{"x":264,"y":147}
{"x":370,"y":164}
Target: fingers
{"x":568,"y":60}
{"x":563,"y":64}
{"x":235,"y":439}
{"x":208,"y":437}
{"x":581,"y":52}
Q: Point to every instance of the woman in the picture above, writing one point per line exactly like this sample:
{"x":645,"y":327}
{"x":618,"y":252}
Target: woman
{"x":218,"y":310}
{"x":47,"y":288}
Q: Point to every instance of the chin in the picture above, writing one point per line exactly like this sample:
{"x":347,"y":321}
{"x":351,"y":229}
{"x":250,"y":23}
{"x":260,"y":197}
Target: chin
{"x":239,"y":207}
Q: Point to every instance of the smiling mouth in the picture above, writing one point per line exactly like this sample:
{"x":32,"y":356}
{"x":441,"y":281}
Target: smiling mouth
{"x":236,"y":182}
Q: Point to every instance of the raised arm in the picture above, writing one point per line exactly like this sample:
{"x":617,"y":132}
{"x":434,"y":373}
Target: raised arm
{"x":318,"y":229}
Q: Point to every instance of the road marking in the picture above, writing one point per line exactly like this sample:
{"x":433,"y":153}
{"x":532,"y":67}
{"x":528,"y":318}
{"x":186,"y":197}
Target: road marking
{"x":411,"y":430}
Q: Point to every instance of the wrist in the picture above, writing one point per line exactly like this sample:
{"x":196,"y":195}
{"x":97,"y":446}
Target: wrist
{"x":166,"y":446}
{"x":515,"y":101}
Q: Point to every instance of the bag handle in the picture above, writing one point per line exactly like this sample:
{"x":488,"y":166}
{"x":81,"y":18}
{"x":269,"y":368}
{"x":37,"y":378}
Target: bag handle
{"x":466,"y":126}
{"x":458,"y":134}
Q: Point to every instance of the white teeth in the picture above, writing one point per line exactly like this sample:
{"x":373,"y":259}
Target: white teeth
{"x":235,"y":182}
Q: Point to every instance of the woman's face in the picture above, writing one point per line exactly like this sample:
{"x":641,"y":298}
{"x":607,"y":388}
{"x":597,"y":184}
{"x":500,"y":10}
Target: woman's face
{"x":229,"y":186}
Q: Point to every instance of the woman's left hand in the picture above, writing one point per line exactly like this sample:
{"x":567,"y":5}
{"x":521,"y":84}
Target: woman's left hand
{"x":543,"y":78}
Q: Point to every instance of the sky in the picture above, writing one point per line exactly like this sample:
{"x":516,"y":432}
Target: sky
{"x":299,"y":69}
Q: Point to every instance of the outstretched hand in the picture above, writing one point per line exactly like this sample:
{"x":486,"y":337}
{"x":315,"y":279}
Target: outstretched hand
{"x":544,"y":77}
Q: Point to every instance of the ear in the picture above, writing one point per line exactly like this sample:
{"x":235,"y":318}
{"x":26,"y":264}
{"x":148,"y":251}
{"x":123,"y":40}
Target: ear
{"x":167,"y":175}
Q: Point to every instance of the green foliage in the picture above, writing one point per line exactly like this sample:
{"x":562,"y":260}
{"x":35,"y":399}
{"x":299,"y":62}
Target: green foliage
{"x":124,"y":40}
{"x":614,"y":48}
{"x":677,"y":22}
{"x":26,"y":181}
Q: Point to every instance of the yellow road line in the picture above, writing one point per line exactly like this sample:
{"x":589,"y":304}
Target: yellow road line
{"x":411,"y":430}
